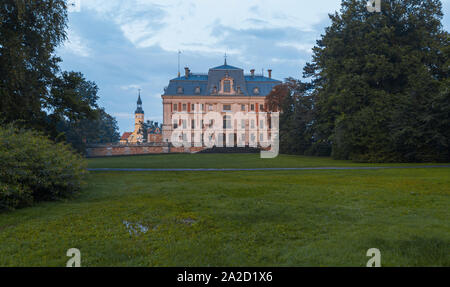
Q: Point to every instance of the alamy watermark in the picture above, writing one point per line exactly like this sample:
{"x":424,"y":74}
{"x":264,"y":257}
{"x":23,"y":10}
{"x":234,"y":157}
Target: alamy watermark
{"x":374,"y":6}
{"x":215,"y":129}
{"x":375,"y":261}
{"x":75,"y":260}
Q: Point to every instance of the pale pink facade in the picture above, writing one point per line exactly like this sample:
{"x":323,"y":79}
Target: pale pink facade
{"x":234,"y":98}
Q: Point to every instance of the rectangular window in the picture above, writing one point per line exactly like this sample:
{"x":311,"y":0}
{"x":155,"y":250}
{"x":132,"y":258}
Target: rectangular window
{"x":226,"y":86}
{"x":203,"y":107}
{"x":193,"y":124}
{"x":261,"y":137}
{"x":253,"y":124}
{"x":261,"y":108}
{"x":193,"y":107}
{"x":252,"y":107}
{"x":210,"y":107}
{"x":184,"y":107}
{"x":175,"y":124}
{"x":243,"y":108}
{"x":261,"y":124}
{"x":184,"y":124}
{"x":243,"y":124}
{"x":175,"y":108}
{"x":227,"y":107}
{"x":243,"y":137}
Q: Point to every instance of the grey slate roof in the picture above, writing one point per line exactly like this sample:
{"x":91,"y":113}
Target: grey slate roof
{"x":206,"y":83}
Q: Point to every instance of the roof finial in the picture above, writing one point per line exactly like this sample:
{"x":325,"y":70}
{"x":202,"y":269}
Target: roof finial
{"x":225,"y":59}
{"x":179,"y":54}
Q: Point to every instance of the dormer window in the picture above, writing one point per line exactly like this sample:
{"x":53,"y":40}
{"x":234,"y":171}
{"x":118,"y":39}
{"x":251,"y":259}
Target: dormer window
{"x":226,"y":86}
{"x":197,"y":90}
{"x":180,"y":90}
{"x":256,"y":91}
{"x":215,"y":90}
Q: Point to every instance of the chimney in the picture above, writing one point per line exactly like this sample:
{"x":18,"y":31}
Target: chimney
{"x":186,"y":72}
{"x":270,"y":74}
{"x":252,"y":71}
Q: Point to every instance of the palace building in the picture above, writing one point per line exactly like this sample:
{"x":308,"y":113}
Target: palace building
{"x":226,"y":91}
{"x":237,"y":101}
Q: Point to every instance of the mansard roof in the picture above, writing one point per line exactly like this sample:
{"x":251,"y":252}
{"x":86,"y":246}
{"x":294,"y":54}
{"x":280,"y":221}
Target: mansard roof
{"x":204,"y":84}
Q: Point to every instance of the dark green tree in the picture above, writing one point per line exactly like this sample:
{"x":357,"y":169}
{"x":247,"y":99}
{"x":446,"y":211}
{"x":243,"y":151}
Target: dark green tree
{"x":33,"y":90}
{"x":381,"y":82}
{"x":294,"y":100}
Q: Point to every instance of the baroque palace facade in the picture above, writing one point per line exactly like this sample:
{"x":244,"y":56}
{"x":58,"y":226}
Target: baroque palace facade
{"x":224,"y":91}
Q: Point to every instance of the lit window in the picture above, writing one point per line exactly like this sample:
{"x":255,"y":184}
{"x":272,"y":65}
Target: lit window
{"x":227,"y":122}
{"x":226,"y":86}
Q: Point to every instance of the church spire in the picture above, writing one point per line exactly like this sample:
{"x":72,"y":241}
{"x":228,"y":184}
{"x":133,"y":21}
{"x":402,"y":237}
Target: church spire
{"x":139,"y":109}
{"x":225,"y":60}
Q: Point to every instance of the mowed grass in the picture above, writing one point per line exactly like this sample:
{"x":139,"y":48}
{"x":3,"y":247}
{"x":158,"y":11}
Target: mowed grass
{"x":225,"y":161}
{"x":283,"y":218}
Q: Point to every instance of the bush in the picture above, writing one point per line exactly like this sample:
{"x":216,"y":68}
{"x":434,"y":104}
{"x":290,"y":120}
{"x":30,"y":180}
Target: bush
{"x":33,"y":168}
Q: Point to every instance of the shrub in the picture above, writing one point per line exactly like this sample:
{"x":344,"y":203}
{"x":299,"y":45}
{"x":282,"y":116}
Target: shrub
{"x":34,"y":168}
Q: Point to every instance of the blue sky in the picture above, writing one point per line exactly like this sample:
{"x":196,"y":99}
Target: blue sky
{"x":126,"y":45}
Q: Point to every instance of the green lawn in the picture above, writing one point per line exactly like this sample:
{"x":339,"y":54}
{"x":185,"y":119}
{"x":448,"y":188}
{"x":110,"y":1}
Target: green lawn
{"x":223,"y":161}
{"x":259,"y":218}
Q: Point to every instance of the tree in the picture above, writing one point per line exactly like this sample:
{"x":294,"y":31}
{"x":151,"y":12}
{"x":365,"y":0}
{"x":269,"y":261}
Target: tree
{"x":378,"y":80}
{"x":33,"y":90}
{"x":294,"y":100}
{"x":79,"y":133}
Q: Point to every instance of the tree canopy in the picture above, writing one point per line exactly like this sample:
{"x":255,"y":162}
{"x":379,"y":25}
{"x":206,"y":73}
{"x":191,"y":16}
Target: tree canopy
{"x":380,"y":84}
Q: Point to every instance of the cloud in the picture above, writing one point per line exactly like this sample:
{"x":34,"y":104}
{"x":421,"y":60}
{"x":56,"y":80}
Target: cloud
{"x":76,"y":44}
{"x":175,"y":24}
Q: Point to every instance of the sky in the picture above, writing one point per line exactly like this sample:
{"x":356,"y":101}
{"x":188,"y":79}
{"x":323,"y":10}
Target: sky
{"x":126,"y":45}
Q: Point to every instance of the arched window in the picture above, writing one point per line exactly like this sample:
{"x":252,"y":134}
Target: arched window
{"x":256,"y":91}
{"x":197,"y":90}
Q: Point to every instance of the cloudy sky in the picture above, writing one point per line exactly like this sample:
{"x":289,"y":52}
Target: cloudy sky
{"x":126,"y":45}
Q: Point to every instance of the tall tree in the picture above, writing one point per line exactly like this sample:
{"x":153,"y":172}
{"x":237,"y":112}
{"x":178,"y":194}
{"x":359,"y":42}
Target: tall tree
{"x":378,"y":78}
{"x":29,"y":33}
{"x":33,"y":90}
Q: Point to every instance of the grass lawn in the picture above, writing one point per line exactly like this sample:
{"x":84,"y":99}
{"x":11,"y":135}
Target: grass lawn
{"x":258,"y":218}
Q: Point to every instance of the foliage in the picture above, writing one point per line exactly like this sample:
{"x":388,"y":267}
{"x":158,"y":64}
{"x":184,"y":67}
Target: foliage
{"x":35,"y":168}
{"x":381,"y":83}
{"x":33,"y":90}
{"x":103,"y":129}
